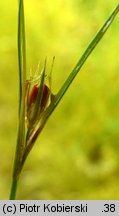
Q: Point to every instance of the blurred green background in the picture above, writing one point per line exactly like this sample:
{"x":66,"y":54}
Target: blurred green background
{"x":77,"y":154}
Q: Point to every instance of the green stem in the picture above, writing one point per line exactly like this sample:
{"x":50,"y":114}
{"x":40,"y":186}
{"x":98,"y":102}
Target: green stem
{"x":21,"y":51}
{"x":22,"y":88}
{"x":13,"y":189}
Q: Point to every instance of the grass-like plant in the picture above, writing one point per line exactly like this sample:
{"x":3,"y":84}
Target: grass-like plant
{"x":36,"y":101}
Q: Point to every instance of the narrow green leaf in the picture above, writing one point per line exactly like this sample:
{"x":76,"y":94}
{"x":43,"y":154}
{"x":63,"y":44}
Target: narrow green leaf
{"x":80,"y":63}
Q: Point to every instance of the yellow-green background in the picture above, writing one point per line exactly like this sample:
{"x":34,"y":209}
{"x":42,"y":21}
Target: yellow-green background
{"x":77,"y":154}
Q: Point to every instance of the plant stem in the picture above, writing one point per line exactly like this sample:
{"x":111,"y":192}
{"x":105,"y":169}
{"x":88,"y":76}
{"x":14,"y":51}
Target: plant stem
{"x":22,"y":91}
{"x":13,"y":189}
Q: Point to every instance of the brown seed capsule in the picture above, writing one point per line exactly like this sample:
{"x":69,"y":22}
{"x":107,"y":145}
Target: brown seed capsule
{"x":45,"y":97}
{"x":34,"y":93}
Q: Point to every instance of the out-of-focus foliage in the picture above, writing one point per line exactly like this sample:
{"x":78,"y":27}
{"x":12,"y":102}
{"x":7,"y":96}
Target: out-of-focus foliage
{"x":77,"y":154}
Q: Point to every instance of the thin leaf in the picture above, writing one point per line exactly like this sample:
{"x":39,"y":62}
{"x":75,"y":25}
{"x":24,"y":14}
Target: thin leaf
{"x":80,"y":63}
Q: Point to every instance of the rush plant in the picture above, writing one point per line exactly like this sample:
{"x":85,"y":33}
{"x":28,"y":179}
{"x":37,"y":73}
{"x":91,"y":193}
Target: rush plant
{"x":36,"y":101}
